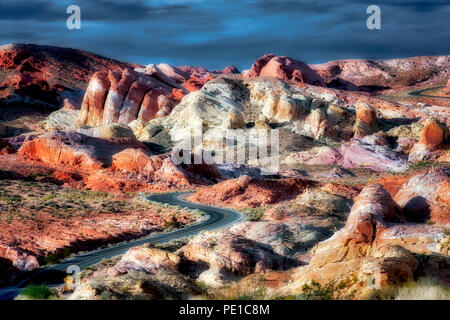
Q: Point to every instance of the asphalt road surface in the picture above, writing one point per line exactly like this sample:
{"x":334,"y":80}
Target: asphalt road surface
{"x":216,"y":218}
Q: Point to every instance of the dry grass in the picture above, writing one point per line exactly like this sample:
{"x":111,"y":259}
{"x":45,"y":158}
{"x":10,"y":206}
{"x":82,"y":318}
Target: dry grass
{"x":425,"y":289}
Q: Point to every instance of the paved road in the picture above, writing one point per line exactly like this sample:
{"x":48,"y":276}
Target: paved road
{"x":216,"y":218}
{"x":420,"y":93}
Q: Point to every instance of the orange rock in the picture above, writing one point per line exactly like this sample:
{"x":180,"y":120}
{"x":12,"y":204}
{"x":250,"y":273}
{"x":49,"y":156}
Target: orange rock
{"x":433,"y":135}
{"x":365,"y":120}
{"x":76,"y":149}
{"x":136,"y":160}
{"x":246,"y":191}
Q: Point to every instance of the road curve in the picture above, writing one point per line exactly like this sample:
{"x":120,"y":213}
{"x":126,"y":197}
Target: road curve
{"x":420,"y":93}
{"x":216,"y":218}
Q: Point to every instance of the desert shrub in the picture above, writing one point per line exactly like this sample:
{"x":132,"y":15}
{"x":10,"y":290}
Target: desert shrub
{"x":38,"y":292}
{"x":253,"y":214}
{"x":315,"y":291}
{"x":51,"y":258}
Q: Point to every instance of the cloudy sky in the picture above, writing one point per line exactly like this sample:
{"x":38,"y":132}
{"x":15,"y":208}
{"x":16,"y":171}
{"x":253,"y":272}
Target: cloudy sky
{"x":217,"y":33}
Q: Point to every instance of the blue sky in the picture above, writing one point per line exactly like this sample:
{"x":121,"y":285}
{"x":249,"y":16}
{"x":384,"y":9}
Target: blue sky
{"x":217,"y":33}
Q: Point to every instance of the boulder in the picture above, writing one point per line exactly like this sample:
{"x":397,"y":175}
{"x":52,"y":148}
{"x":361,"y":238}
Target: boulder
{"x":147,"y":259}
{"x":426,"y":197}
{"x":432,"y":138}
{"x":365,"y":120}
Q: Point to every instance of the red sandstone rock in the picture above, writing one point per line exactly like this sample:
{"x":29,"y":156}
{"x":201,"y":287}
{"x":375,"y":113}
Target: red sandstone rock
{"x":76,"y":149}
{"x":132,"y":103}
{"x":246,"y":191}
{"x":433,"y":136}
{"x":284,"y":68}
{"x":6,"y":147}
{"x":228,"y":70}
{"x":144,"y":94}
{"x":92,"y":106}
{"x":41,"y":74}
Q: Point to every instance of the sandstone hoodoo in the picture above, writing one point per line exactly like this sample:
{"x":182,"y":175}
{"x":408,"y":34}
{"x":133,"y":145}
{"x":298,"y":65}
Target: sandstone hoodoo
{"x":365,"y":120}
{"x":432,"y":139}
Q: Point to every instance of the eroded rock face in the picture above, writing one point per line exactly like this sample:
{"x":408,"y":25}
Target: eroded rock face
{"x":45,"y":75}
{"x":76,"y":149}
{"x":284,"y":68}
{"x":227,"y":103}
{"x":365,"y":120}
{"x":370,"y":151}
{"x":352,"y":250}
{"x":121,"y":97}
{"x":374,"y":75}
{"x":246,"y":191}
{"x":147,"y":259}
{"x":432,"y":138}
{"x":161,"y":168}
{"x":426,"y":196}
{"x":447,"y":88}
{"x":229,"y":255}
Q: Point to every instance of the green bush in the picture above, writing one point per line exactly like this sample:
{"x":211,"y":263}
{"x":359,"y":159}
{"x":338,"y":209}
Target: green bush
{"x":253,"y":214}
{"x":38,"y":292}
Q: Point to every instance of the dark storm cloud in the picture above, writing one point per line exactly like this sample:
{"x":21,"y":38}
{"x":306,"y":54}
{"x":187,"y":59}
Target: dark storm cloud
{"x":216,"y":33}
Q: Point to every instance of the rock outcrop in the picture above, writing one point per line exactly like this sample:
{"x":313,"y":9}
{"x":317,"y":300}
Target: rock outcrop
{"x":284,"y":68}
{"x":432,"y":138}
{"x":354,"y":251}
{"x":246,"y":191}
{"x":370,"y":151}
{"x":161,"y":168}
{"x":121,"y":97}
{"x":365,"y":120}
{"x":45,"y":75}
{"x":76,"y":149}
{"x":375,"y":75}
{"x":230,"y":257}
{"x":426,"y":197}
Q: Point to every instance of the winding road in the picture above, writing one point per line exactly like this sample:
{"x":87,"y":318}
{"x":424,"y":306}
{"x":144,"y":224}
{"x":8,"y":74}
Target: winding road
{"x":216,"y":218}
{"x":420,"y":93}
